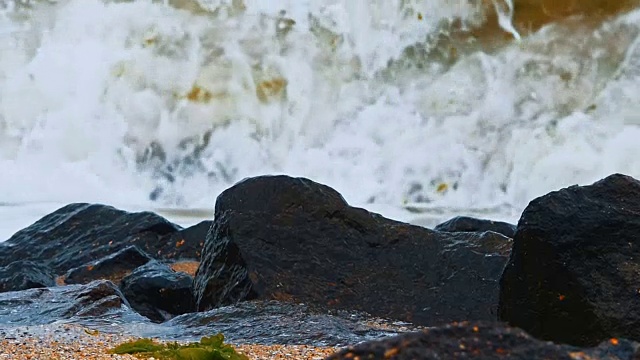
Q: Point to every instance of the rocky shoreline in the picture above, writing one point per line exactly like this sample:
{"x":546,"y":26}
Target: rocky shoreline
{"x":287,"y":262}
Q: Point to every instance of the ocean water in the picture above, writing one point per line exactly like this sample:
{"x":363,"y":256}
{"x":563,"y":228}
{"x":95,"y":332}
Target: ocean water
{"x":418,"y":110}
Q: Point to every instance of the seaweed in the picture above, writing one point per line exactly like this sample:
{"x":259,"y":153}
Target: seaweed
{"x":209,"y":348}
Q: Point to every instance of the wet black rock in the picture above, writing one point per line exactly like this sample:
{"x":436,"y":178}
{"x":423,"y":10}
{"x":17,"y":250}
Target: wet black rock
{"x":256,"y":322}
{"x":98,"y":299}
{"x":274,"y":322}
{"x":80,"y":233}
{"x":112,"y":267}
{"x":481,"y":340}
{"x":291,"y":239}
{"x":185,"y":244}
{"x":24,"y":274}
{"x":469,"y":224}
{"x":573,"y":276}
{"x":157,"y":292}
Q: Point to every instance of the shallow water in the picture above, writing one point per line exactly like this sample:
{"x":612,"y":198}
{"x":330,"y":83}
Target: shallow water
{"x":419,"y":110}
{"x":255,"y":322}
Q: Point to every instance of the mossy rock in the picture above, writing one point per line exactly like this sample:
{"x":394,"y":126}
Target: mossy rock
{"x":209,"y":348}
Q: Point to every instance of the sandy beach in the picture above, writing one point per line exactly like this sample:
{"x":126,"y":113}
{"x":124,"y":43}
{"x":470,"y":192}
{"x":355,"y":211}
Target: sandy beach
{"x":73,"y":342}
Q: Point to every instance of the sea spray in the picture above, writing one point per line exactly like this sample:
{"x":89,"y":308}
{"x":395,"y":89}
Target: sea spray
{"x":422,"y":105}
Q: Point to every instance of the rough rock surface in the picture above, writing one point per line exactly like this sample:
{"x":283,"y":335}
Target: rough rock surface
{"x":98,"y":299}
{"x":185,"y":244}
{"x":574,"y":274}
{"x":469,"y":224}
{"x":275,"y":322}
{"x":77,"y":234}
{"x":24,"y":274}
{"x":291,"y":239}
{"x":481,"y":340}
{"x":157,"y":292}
{"x":113,"y":267}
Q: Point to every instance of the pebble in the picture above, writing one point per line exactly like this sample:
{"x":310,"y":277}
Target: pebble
{"x":74,"y":342}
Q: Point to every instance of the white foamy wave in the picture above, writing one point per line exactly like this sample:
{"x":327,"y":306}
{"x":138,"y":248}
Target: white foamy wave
{"x":93,"y":87}
{"x":166,"y":104}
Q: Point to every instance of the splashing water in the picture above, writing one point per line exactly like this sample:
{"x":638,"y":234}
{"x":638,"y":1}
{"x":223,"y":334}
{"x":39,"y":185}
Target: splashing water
{"x":504,"y":9}
{"x":403,"y":106}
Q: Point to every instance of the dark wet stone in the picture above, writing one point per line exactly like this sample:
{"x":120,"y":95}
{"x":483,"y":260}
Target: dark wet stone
{"x":469,"y":224}
{"x":185,"y":244}
{"x":22,"y":275}
{"x":80,"y":233}
{"x":113,"y":267}
{"x":481,"y":341}
{"x":274,"y":322}
{"x":97,"y":299}
{"x":573,"y":276}
{"x":157,"y":292}
{"x":291,"y":239}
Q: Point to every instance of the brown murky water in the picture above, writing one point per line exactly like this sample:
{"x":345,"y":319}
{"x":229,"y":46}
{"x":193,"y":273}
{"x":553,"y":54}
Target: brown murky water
{"x":530,"y":16}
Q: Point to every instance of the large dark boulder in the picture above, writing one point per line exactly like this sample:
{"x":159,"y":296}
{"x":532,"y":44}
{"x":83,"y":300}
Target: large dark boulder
{"x":291,"y":239}
{"x":469,"y":224}
{"x":574,"y":273}
{"x":481,"y":340}
{"x":24,"y":274}
{"x":80,"y":233}
{"x":157,"y":292}
{"x":112,"y":267}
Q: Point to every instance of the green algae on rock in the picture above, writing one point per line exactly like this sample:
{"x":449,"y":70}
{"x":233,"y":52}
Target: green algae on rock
{"x":209,"y":348}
